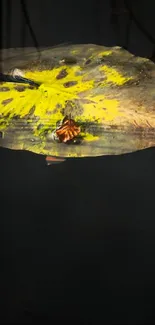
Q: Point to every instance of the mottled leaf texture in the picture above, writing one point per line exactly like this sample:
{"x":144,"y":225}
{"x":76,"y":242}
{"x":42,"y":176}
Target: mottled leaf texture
{"x":108,"y":92}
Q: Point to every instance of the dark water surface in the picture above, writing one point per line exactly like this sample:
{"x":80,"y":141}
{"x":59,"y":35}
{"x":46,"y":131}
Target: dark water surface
{"x":78,"y":237}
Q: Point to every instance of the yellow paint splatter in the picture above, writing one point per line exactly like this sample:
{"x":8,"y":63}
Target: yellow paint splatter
{"x":74,"y":52}
{"x":46,"y":99}
{"x":50,"y":98}
{"x":113,"y":76}
{"x":89,"y":137}
{"x":105,"y":53}
{"x":102,"y":109}
{"x":100,"y":55}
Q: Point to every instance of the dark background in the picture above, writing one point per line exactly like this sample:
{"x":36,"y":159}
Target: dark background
{"x":78,"y":239}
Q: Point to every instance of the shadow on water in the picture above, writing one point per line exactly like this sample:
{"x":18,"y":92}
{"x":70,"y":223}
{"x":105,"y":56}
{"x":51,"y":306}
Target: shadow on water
{"x":78,"y":234}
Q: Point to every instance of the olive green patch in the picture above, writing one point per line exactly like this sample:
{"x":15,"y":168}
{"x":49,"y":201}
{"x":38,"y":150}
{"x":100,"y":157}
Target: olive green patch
{"x":70,"y":84}
{"x":72,"y":109}
{"x":31,"y":112}
{"x":30,"y":115}
{"x":20,"y":88}
{"x":33,"y":86}
{"x":69,"y":60}
{"x":62,"y":74}
{"x":40,"y":126}
{"x":6,"y":101}
{"x":88,"y":61}
{"x":3,"y":89}
{"x":16,"y":117}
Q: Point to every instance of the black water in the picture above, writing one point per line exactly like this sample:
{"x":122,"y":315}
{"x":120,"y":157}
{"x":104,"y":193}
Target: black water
{"x":78,"y":238}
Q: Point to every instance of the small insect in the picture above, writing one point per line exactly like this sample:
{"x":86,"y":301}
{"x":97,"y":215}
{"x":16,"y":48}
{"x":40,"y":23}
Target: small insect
{"x":68,"y":130}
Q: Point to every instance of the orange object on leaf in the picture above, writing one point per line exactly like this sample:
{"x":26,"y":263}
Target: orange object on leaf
{"x":68,"y":130}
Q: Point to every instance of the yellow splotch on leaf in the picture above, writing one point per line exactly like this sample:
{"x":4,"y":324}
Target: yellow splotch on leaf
{"x":51,"y":96}
{"x":113,"y":76}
